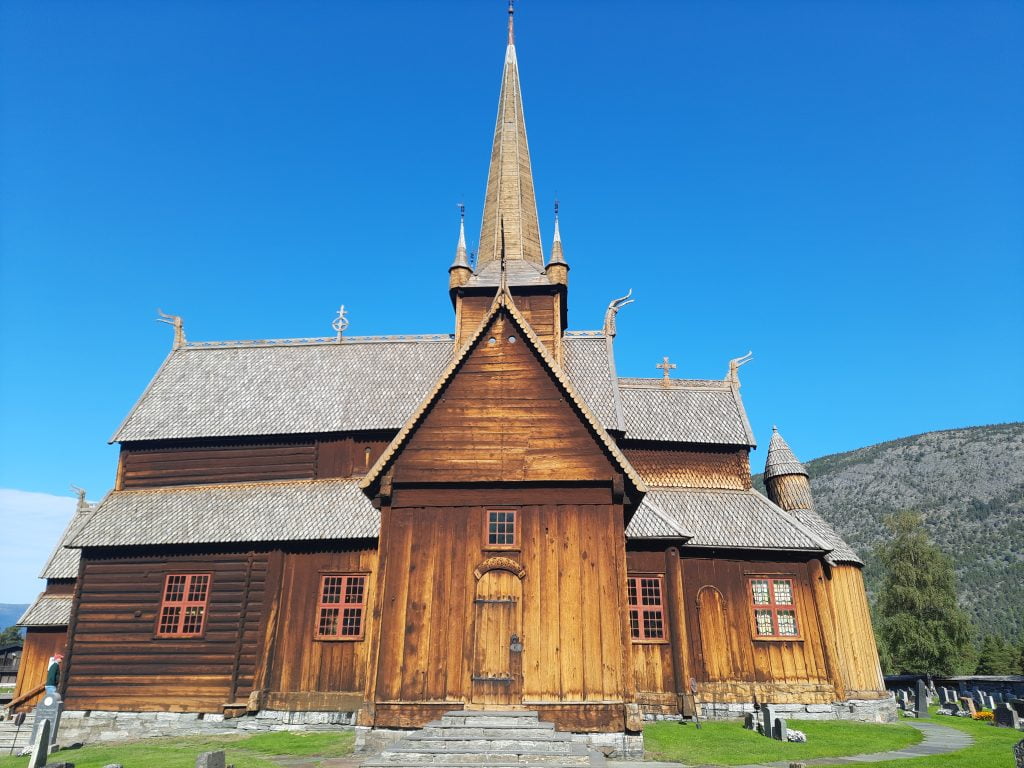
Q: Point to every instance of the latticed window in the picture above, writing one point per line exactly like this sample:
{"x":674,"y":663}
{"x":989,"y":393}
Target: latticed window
{"x":340,"y":608}
{"x":501,"y":528}
{"x":774,"y":607}
{"x":646,"y":609}
{"x":183,"y":606}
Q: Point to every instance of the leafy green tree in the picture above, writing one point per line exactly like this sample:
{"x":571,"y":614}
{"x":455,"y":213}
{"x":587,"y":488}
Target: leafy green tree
{"x":997,"y":656}
{"x":921,"y":625}
{"x":10,"y":635}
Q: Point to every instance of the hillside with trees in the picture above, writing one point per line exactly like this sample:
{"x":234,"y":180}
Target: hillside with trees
{"x":967,"y":485}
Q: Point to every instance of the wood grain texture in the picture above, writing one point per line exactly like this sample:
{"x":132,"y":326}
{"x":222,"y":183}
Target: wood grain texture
{"x":40,"y":644}
{"x":691,"y":467}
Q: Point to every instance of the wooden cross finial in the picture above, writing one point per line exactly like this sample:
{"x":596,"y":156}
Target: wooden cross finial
{"x":665,"y":366}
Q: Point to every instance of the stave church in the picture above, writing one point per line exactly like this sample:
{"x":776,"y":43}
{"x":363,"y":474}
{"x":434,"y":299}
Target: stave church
{"x":385,"y":529}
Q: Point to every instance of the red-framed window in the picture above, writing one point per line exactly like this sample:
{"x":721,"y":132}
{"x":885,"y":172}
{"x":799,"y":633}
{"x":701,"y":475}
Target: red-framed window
{"x":340,"y":608}
{"x":646,"y":608}
{"x":183,"y":606}
{"x":774,"y":605}
{"x":502,"y":528}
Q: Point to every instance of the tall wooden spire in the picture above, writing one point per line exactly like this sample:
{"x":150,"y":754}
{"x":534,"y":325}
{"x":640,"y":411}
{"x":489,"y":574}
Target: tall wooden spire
{"x":510,"y":206}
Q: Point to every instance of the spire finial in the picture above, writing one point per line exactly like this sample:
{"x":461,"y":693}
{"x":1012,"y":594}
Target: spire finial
{"x":462,"y":228}
{"x":558,"y":235}
{"x":511,"y":30}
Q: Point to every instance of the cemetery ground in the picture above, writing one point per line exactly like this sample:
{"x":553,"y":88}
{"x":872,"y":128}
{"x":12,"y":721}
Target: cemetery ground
{"x":262,"y":750}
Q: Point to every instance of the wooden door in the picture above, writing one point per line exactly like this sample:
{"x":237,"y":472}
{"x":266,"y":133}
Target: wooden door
{"x":715,"y":638}
{"x":497,"y":676}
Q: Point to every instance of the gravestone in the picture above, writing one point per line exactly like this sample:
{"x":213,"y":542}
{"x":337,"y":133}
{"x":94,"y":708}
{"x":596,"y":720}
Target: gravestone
{"x":922,"y":700}
{"x":779,"y":730}
{"x":901,"y":699}
{"x":48,"y":710}
{"x":767,"y":718}
{"x":1017,"y":705}
{"x":749,"y":722}
{"x":943,"y":695}
{"x":967,"y":704}
{"x":979,"y":699}
{"x":40,"y":745}
{"x":953,"y":707}
{"x":211,"y":759}
{"x":1005,"y":717}
{"x":990,"y":703}
{"x":998,"y":696}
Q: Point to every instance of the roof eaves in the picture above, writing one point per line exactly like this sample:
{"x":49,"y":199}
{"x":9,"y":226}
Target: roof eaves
{"x":792,"y":520}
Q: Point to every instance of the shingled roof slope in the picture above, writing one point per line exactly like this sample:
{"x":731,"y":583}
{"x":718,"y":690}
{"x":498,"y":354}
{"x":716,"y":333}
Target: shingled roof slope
{"x":207,"y":514}
{"x":47,"y":611}
{"x":723,"y":519}
{"x":63,"y":562}
{"x":684,"y":410}
{"x":841,"y":551}
{"x":780,"y":459}
{"x":284,"y":388}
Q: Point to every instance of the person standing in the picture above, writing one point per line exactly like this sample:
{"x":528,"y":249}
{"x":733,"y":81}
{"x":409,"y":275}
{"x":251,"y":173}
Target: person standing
{"x":53,"y":672}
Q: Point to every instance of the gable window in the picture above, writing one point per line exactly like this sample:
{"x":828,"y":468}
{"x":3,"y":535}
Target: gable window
{"x":183,"y":607}
{"x":646,"y":611}
{"x":340,"y":607}
{"x":774,"y":607}
{"x":501,"y":528}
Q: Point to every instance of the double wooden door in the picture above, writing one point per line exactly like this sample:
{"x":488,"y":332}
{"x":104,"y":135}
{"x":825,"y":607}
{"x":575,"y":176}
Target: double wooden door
{"x":497,"y":673}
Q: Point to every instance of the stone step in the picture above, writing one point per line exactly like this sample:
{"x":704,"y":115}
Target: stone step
{"x":561,"y":746}
{"x":489,"y":720}
{"x":536,"y":730}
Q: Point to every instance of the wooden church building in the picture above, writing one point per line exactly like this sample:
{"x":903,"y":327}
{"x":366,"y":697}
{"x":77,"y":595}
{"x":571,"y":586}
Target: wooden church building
{"x":489,"y":518}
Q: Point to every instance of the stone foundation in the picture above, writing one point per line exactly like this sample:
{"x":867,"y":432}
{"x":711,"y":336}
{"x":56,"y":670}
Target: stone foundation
{"x":97,"y":726}
{"x":859,"y":710}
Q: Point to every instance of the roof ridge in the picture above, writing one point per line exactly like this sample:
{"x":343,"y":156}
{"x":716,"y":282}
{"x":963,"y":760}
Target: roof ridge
{"x":637,"y":382}
{"x":318,"y":341}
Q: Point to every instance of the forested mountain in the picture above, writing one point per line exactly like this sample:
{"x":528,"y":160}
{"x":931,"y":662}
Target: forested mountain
{"x":969,"y":486}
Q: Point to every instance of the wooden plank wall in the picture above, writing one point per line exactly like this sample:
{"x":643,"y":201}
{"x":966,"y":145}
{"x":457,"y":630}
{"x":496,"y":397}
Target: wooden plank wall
{"x":502,"y":418}
{"x":301,"y":663}
{"x":540,"y":310}
{"x":858,"y":653}
{"x":177,"y":463}
{"x":117,"y":663}
{"x":40,"y":644}
{"x":574,"y":632}
{"x":728,"y":662}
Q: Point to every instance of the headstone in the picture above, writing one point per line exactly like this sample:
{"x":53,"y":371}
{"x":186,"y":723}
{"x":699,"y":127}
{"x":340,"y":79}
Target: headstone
{"x":953,"y":707}
{"x":998,"y":696}
{"x":48,"y":710}
{"x":902,"y":700}
{"x":922,"y":700}
{"x":40,"y":745}
{"x":768,"y":718}
{"x":779,"y":730}
{"x":979,"y":699}
{"x":1005,"y":717}
{"x":990,"y":703}
{"x":943,"y":695}
{"x":967,"y":704}
{"x":1017,"y":705}
{"x":211,"y":759}
{"x":749,"y":722}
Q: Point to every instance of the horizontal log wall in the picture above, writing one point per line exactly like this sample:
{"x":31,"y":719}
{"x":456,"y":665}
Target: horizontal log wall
{"x":175,"y":464}
{"x":118,"y":663}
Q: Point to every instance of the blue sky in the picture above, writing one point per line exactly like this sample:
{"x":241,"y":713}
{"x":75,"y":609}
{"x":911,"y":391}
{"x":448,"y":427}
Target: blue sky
{"x":838,"y":186}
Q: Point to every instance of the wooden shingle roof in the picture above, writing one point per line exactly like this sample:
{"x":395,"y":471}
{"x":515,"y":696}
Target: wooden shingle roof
{"x":47,"y":611}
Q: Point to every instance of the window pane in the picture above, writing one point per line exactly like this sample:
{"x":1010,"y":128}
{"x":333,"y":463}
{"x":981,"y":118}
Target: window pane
{"x":783,"y":592}
{"x":175,"y":590}
{"x":787,"y":623}
{"x":351,"y":622}
{"x":332,"y":589}
{"x":650,"y":591}
{"x":501,"y":527}
{"x":192,"y":624}
{"x":631,"y":591}
{"x":764,"y":622}
{"x":354,"y":590}
{"x":169,"y":619}
{"x":653,"y":627}
{"x":759,"y":591}
{"x":634,"y":623}
{"x":328,"y":624}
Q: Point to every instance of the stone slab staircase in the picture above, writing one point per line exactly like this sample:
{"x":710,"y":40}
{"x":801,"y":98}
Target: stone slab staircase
{"x":464,"y":738}
{"x":9,"y":736}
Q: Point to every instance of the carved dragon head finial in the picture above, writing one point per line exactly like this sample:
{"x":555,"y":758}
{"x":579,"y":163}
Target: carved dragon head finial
{"x":179,"y":327}
{"x":733,"y":376}
{"x":80,"y":493}
{"x":613,"y":309}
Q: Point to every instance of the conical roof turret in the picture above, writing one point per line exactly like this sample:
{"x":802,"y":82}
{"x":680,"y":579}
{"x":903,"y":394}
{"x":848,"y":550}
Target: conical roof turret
{"x":460,"y":271}
{"x":510,"y":225}
{"x":781,"y":460}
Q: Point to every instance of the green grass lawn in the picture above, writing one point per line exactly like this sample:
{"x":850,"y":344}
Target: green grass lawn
{"x":727,"y":743}
{"x":243,"y":751}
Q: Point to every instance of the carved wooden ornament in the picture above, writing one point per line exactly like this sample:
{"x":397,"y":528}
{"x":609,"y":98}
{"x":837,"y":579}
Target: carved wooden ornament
{"x":500,"y":564}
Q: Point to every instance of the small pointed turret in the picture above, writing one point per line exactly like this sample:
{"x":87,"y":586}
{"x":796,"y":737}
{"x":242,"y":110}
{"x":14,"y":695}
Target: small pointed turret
{"x":785,"y":478}
{"x":460,"y":271}
{"x":557,"y":269}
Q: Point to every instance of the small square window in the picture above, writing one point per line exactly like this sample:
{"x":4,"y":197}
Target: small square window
{"x":341,"y":607}
{"x":646,"y":610}
{"x":183,"y":607}
{"x":501,"y":528}
{"x":774,"y":612}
